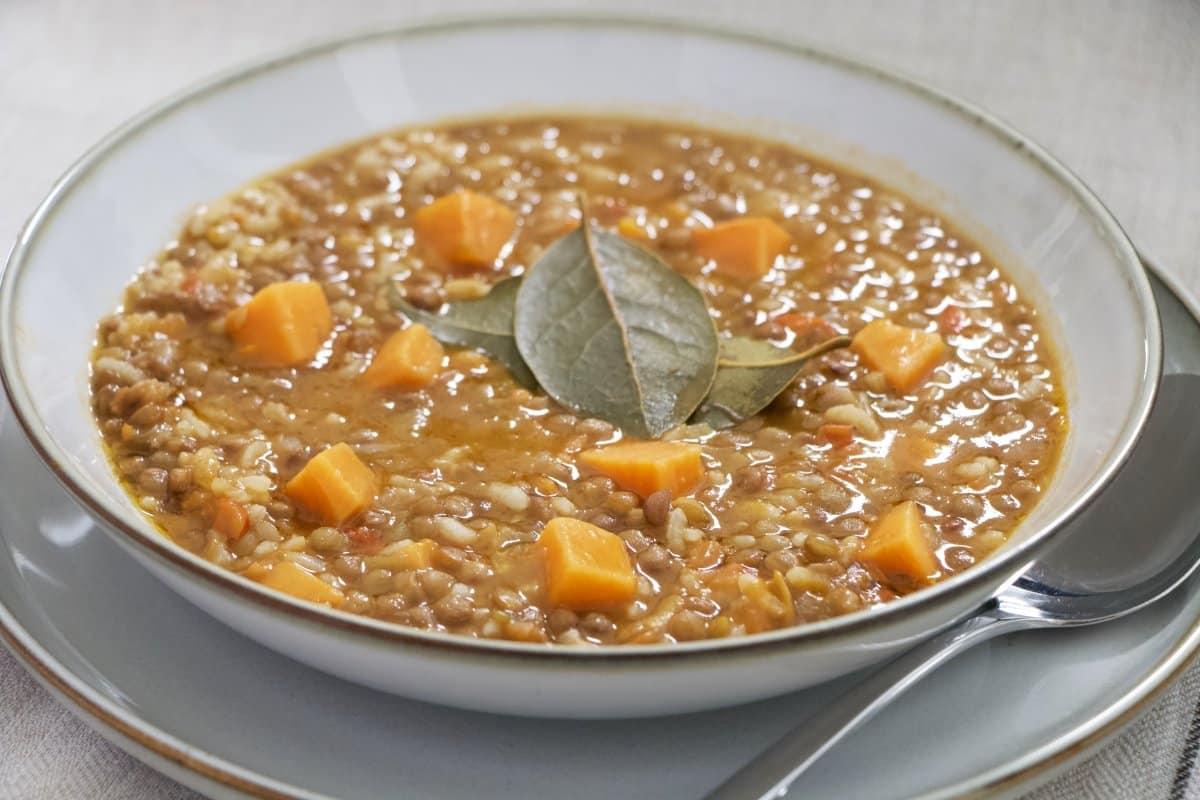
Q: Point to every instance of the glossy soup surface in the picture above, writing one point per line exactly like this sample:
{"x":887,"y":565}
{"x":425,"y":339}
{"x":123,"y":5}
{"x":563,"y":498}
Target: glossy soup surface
{"x":469,"y":469}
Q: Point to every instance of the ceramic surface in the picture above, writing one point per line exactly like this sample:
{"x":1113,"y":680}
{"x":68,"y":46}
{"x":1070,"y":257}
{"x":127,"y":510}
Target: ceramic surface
{"x":118,"y":205}
{"x":231,"y":718}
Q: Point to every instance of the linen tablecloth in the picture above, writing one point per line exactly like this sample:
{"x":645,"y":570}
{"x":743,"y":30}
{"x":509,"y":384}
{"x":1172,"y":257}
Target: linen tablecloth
{"x":1112,"y":87}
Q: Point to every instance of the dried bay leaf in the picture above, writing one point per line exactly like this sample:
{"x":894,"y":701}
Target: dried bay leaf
{"x":611,"y":331}
{"x":751,"y":374}
{"x":485,"y":324}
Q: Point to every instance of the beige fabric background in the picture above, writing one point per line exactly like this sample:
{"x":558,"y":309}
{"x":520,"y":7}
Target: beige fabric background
{"x":1111,"y":86}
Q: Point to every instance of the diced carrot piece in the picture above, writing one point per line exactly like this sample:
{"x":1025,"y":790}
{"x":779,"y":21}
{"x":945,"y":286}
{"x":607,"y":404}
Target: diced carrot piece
{"x":952,"y":319}
{"x":837,"y":435}
{"x":647,"y":467}
{"x":290,"y":579}
{"x":905,"y":356}
{"x":896,"y":545}
{"x":229,"y":518}
{"x":409,"y":359}
{"x":806,"y":325}
{"x":334,"y":485}
{"x":465,"y":228}
{"x":745,"y":247}
{"x":408,"y":555}
{"x":586,"y":566}
{"x":284,"y":324}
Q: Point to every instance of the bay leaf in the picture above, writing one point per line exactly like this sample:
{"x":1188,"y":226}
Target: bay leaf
{"x":611,"y":331}
{"x":485,"y":324}
{"x":750,"y":374}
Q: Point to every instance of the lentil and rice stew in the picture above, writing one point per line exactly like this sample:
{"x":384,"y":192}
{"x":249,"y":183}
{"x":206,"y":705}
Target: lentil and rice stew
{"x":272,"y":406}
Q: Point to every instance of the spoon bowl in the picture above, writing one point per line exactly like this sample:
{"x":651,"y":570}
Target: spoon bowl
{"x":1135,"y":544}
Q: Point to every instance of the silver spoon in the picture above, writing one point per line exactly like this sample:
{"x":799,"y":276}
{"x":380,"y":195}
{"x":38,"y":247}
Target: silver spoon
{"x":1136,"y":543}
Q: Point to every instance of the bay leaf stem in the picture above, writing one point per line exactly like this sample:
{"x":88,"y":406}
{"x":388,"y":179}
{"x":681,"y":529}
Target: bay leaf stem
{"x":812,"y":352}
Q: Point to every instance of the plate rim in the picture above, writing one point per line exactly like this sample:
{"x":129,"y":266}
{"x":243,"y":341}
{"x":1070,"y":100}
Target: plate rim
{"x":334,"y":621}
{"x":128,"y":731}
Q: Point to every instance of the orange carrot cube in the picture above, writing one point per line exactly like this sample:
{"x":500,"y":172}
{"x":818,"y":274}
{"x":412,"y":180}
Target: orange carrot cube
{"x":742,"y":248}
{"x":405,"y":555}
{"x":409,"y":359}
{"x":291,"y":579}
{"x":836,"y":434}
{"x":284,"y":324}
{"x":586,"y":566}
{"x":465,"y":228}
{"x":334,"y":485}
{"x":896,"y":545}
{"x":647,"y":467}
{"x":229,"y":518}
{"x":905,"y":356}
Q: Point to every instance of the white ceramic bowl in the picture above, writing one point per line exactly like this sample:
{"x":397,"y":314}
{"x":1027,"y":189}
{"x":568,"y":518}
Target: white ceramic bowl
{"x":126,"y":197}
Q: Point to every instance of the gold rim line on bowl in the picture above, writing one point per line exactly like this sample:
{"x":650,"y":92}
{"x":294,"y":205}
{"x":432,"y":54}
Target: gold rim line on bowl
{"x":1009,"y":560}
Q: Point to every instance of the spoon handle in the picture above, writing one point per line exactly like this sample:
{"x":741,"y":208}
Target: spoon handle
{"x":771,"y":773}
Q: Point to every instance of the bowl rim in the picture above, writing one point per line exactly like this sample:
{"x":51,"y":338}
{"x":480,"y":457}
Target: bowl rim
{"x":1008,"y":563}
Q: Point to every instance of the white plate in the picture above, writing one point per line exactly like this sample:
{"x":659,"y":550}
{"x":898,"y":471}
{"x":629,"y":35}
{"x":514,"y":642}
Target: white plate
{"x":229,"y":717}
